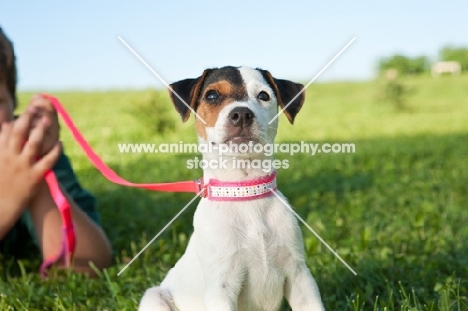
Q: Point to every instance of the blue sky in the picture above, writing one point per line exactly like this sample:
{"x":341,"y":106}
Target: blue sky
{"x":74,"y":45}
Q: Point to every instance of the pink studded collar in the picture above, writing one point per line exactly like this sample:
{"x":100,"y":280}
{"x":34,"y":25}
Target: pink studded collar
{"x":217,"y":190}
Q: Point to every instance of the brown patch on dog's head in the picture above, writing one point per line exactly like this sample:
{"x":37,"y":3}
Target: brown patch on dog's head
{"x":208,"y":95}
{"x":285,"y":91}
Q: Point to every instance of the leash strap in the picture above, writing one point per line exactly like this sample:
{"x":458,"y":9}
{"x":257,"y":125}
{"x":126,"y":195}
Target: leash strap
{"x":216,"y":190}
{"x":193,"y":186}
{"x":68,"y":232}
{"x":67,"y":249}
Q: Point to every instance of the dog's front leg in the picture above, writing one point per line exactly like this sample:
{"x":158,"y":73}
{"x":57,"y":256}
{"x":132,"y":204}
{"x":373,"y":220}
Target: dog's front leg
{"x":222,"y":275}
{"x":302,"y":291}
{"x":222,"y":285}
{"x":217,"y":298}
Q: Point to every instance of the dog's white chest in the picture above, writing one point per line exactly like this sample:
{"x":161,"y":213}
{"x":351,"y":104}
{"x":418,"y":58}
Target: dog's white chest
{"x":252,"y":243}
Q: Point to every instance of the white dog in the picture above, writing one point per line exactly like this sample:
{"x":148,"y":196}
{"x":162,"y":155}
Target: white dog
{"x":246,"y":252}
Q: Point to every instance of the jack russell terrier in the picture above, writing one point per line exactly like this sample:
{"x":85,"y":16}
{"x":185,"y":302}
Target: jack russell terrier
{"x":246,"y":251}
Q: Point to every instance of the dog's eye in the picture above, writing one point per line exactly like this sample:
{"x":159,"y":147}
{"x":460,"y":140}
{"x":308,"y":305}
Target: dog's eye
{"x":263,"y":96}
{"x":212,"y":95}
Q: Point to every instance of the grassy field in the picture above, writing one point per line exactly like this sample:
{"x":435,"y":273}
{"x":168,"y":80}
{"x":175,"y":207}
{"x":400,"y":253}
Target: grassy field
{"x":396,"y":210}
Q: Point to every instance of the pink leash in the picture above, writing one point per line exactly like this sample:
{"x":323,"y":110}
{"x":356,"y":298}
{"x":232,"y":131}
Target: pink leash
{"x":182,"y":186}
{"x":215,"y":189}
{"x":68,"y":232}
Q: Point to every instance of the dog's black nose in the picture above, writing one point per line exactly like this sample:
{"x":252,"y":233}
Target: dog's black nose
{"x":241,"y":117}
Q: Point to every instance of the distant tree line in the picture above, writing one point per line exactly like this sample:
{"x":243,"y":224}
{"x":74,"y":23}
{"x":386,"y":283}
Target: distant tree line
{"x":417,"y":65}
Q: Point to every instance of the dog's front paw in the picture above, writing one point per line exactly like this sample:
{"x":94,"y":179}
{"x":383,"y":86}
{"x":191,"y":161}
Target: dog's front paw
{"x":156,"y":299}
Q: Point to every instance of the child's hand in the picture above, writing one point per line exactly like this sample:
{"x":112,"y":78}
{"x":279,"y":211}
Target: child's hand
{"x":46,"y":113}
{"x":20,"y":171}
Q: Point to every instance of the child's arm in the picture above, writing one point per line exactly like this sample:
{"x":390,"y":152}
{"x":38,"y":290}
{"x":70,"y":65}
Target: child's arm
{"x":20,"y":173}
{"x":92,"y":244}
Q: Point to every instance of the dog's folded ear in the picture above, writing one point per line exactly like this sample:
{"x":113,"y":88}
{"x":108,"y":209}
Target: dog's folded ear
{"x":184,"y":94}
{"x":287,"y":94}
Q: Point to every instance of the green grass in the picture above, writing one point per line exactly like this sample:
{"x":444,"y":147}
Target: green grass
{"x":396,"y":210}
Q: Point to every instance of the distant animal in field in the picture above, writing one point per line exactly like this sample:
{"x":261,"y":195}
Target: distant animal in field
{"x":451,"y":67}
